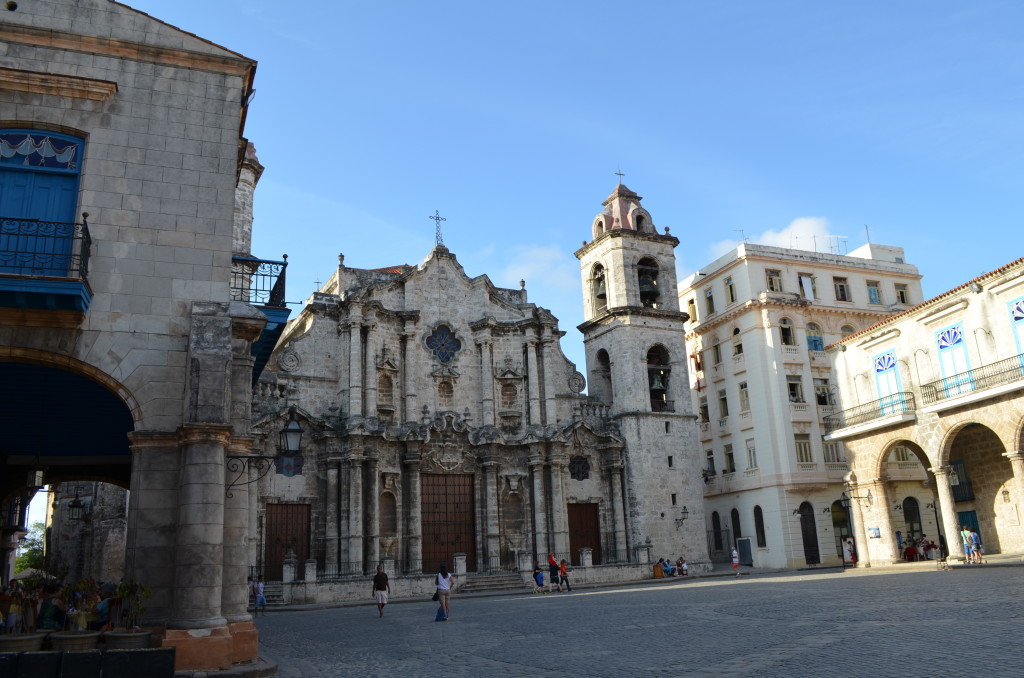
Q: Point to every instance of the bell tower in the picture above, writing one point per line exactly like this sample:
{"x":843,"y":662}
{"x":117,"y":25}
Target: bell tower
{"x":633,"y":332}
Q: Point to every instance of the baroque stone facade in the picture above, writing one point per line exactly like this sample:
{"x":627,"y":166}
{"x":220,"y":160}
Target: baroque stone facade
{"x":442,"y":418}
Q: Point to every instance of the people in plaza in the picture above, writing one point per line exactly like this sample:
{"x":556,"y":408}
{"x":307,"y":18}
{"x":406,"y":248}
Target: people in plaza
{"x":682,"y":568}
{"x":668,"y":568}
{"x":381,"y":589}
{"x":553,"y":572}
{"x":445,"y":583}
{"x":538,"y":578}
{"x":103,"y":621}
{"x":922,"y":546}
{"x":563,"y":576}
{"x":849,"y":551}
{"x":735,"y":561}
{"x":965,"y":537}
{"x":51,"y":609}
{"x":976,"y":547}
{"x":259,"y":598}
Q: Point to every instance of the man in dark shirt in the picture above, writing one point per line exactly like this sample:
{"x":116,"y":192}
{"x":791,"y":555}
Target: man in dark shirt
{"x":381,"y":589}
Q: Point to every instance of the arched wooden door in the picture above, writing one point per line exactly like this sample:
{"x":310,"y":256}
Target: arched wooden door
{"x":809,"y":533}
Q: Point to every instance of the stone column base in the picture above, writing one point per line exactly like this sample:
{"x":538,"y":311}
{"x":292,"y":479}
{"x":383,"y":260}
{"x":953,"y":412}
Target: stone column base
{"x":245,"y":641}
{"x":200,"y":649}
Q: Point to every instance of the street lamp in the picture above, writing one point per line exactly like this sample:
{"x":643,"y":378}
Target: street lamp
{"x":76,"y":507}
{"x":683,"y":515}
{"x":287,"y":462}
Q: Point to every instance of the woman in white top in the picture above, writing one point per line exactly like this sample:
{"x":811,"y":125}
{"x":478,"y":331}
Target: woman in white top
{"x":445,"y":583}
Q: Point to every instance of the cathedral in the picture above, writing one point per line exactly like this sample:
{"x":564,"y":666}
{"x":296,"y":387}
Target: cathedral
{"x":443,"y":423}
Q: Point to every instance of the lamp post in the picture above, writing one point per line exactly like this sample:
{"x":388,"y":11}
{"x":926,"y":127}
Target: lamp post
{"x":287,"y":462}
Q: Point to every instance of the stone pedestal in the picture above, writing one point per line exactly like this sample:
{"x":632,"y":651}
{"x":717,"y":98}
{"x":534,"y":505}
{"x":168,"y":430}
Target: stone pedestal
{"x":310,"y":574}
{"x":525,"y":562}
{"x":389,"y":566}
{"x":643,"y":553}
{"x":289,"y":567}
{"x":460,"y":564}
{"x":586,"y":557}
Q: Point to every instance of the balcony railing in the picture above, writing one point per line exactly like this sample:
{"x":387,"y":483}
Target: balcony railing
{"x":258,"y":281}
{"x":54,"y":249}
{"x":897,"y":403}
{"x":979,"y":379}
{"x":663,"y":405}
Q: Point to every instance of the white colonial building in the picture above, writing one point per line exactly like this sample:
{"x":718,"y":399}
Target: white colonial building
{"x":762,"y":384}
{"x":940,"y":387}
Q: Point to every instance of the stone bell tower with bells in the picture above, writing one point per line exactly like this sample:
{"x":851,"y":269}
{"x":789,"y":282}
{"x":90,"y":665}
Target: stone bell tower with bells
{"x":636,"y":363}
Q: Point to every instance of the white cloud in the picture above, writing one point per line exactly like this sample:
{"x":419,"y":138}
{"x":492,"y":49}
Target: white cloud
{"x":546,"y":269}
{"x":804,"y":233}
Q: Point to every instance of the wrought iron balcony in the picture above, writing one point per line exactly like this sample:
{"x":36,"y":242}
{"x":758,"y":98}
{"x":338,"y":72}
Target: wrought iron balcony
{"x":259,"y":282}
{"x":663,"y":405}
{"x":897,"y":403}
{"x":51,"y":249}
{"x":973,"y":381}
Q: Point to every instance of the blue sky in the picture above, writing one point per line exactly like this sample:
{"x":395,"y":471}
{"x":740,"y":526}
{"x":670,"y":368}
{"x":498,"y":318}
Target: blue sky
{"x":774,"y":121}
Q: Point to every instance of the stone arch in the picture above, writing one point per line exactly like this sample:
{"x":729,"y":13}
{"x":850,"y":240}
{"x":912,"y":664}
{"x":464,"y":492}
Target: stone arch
{"x":599,"y":286}
{"x":647,"y":272}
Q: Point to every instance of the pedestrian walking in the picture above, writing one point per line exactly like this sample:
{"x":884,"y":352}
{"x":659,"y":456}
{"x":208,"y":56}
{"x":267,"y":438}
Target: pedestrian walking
{"x":553,"y":572}
{"x":735,"y":561}
{"x":538,"y":578}
{"x":965,"y":537}
{"x":445,"y":584}
{"x":976,"y":547}
{"x":260,"y":600}
{"x":381,"y":589}
{"x":563,"y":576}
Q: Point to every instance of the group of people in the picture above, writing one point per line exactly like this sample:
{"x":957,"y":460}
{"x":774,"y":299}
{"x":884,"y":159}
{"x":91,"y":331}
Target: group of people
{"x":921,"y":549}
{"x":558,"y":575}
{"x":973,"y":549}
{"x":45,"y":607}
{"x":669,"y":569}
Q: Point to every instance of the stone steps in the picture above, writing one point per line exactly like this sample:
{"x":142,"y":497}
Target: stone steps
{"x":492,"y":582}
{"x":274,"y":593}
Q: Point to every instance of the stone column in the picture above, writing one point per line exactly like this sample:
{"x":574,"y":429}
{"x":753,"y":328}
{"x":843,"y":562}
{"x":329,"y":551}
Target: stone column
{"x":152,"y":515}
{"x":860,"y":533}
{"x":887,"y":550}
{"x":559,"y":520}
{"x":355,"y":512}
{"x":199,"y":542}
{"x":1017,"y":463}
{"x":540,"y":546}
{"x":355,"y":362}
{"x":235,"y":595}
{"x":331,"y":528}
{"x":618,"y":512}
{"x":947,"y":507}
{"x":409,"y":374}
{"x":372,"y":521}
{"x":486,"y":381}
{"x":413,"y":506}
{"x":489,"y":476}
{"x":371,"y":373}
{"x":549,"y":358}
{"x":534,"y":378}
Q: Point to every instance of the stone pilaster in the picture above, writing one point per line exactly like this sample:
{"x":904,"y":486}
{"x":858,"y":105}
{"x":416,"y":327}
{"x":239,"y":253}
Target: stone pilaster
{"x":409,"y":374}
{"x":355,"y":362}
{"x":372,"y":350}
{"x":332,"y":510}
{"x":621,"y":546}
{"x":372,"y":521}
{"x":235,"y":594}
{"x":534,"y":378}
{"x":413,"y":510}
{"x":549,"y":356}
{"x":559,"y":520}
{"x":355,"y":510}
{"x":486,"y":381}
{"x":540,"y":531}
{"x":1017,"y":464}
{"x":489,"y":476}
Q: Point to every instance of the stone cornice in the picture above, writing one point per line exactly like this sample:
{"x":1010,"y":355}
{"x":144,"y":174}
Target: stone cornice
{"x":625,"y":232}
{"x":637,"y":311}
{"x":126,"y":49}
{"x":34,"y":82}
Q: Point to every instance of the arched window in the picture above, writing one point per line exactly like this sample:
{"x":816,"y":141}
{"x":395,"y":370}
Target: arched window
{"x":388,"y":515}
{"x":846,"y":331}
{"x":638,"y":221}
{"x":39,"y":174}
{"x":762,"y":540}
{"x":814,"y":339}
{"x":658,"y":371}
{"x":600,"y":288}
{"x":736,"y":534}
{"x":647,"y":278}
{"x":604,"y":365}
{"x":786,"y":332}
{"x":509,"y":396}
{"x":737,"y":342}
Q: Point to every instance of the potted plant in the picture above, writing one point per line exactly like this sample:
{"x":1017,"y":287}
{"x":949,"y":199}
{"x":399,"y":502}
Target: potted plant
{"x":20,"y":606}
{"x":80,"y":601}
{"x":126,"y":617}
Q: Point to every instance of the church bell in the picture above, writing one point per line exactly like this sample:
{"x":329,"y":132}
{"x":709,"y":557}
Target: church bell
{"x":648,"y":288}
{"x":601,"y":291}
{"x":657,"y":385}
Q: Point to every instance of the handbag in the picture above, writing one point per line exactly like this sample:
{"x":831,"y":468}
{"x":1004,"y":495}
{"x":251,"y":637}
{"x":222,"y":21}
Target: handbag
{"x":434,"y":597}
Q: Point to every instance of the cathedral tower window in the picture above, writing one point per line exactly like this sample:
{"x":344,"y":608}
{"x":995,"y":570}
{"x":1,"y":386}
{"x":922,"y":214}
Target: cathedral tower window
{"x":604,"y":365}
{"x":647,"y":277}
{"x":658,"y":371}
{"x":639,"y":222}
{"x":600,"y":288}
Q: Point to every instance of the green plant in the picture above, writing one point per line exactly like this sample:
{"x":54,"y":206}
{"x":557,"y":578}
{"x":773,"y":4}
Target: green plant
{"x":131,"y":609}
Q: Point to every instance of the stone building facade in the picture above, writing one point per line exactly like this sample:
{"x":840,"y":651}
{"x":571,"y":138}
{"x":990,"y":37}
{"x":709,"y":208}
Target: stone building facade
{"x":442,"y":418}
{"x":86,"y":531}
{"x":940,"y":385}
{"x":128,"y":313}
{"x":763,"y":386}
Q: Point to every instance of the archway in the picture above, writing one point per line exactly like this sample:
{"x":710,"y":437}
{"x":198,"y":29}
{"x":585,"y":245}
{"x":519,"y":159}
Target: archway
{"x":809,"y":534}
{"x":982,"y":483}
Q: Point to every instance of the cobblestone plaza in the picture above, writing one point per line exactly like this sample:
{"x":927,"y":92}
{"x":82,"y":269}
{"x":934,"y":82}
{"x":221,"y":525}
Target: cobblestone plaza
{"x":858,"y":623}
